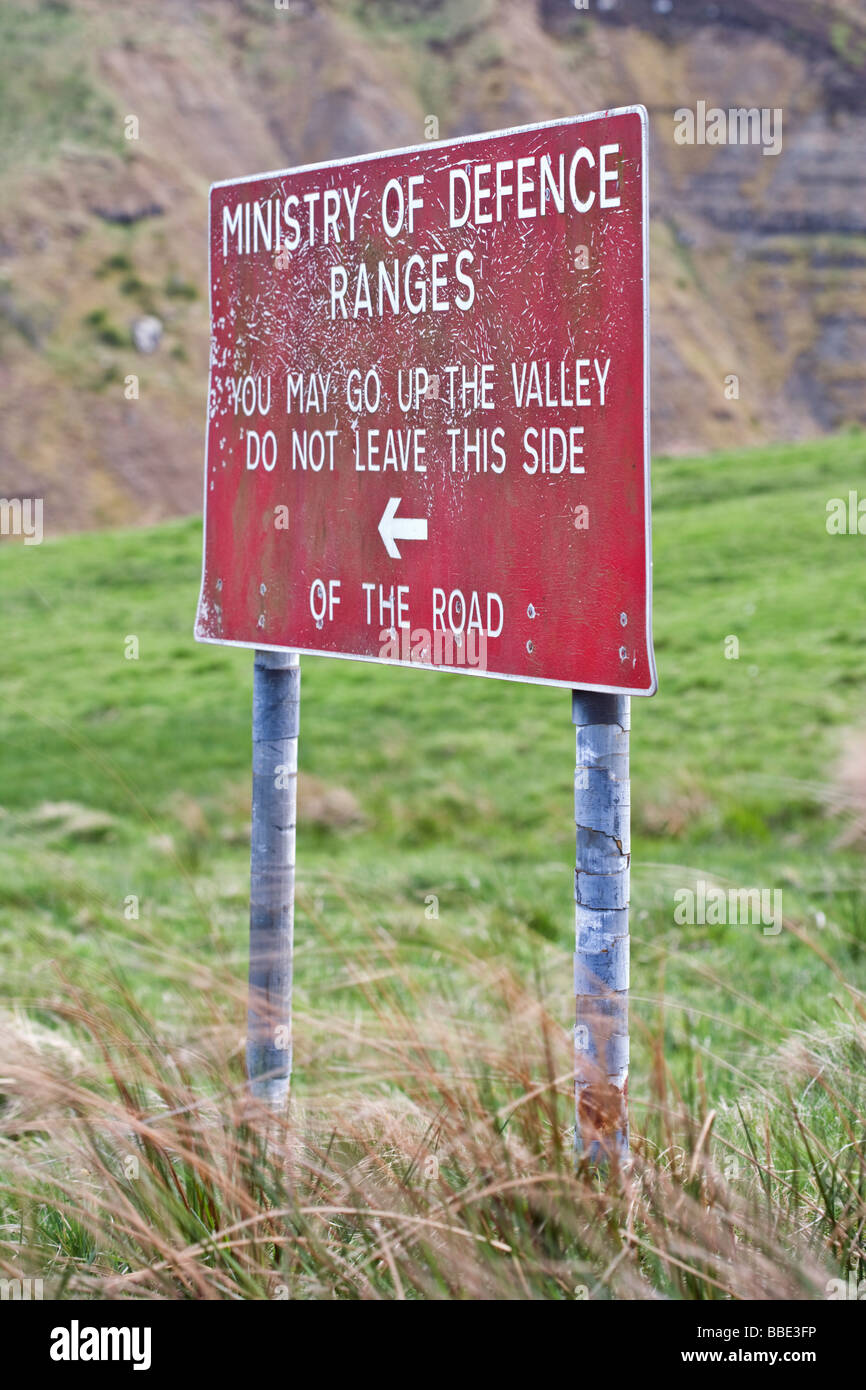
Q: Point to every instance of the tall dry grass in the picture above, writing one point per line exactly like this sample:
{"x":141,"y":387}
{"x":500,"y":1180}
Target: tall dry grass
{"x":427,"y":1154}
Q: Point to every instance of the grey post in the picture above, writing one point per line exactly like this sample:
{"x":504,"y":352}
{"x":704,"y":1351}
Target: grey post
{"x":601,"y":892}
{"x":276,"y":711}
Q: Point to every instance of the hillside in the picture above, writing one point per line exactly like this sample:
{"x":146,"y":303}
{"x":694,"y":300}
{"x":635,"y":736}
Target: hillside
{"x":758,"y":263}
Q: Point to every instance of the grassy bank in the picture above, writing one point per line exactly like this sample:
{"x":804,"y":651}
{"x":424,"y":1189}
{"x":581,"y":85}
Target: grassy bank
{"x":435,"y":861}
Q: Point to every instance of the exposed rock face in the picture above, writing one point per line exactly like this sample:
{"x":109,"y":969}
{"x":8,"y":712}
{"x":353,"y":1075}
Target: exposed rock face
{"x":758,"y":261}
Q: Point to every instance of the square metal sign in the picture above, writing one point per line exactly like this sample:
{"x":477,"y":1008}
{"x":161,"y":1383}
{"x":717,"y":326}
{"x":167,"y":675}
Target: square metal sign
{"x":427,"y":438}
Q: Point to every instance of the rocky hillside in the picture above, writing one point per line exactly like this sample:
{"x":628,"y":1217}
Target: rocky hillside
{"x":114,"y":119}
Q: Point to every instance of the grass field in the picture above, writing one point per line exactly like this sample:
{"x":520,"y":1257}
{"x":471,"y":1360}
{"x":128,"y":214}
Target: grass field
{"x":124,"y":808}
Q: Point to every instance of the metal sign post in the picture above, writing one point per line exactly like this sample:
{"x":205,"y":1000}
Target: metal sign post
{"x":428,"y":445}
{"x":276,"y":713}
{"x":602,"y":813}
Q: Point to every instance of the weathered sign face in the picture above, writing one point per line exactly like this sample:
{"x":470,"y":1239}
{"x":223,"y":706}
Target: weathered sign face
{"x":427,"y":419}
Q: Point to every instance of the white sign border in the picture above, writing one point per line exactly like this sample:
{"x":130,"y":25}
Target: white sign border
{"x":640,"y":111}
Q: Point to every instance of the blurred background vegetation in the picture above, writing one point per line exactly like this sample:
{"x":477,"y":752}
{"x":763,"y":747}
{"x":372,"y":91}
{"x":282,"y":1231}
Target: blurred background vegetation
{"x":759,"y":263}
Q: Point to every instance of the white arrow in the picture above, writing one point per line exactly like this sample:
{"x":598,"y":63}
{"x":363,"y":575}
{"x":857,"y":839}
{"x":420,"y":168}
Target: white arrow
{"x":393,"y":528}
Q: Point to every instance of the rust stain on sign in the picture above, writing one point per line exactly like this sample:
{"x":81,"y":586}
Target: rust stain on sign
{"x":427,"y":425}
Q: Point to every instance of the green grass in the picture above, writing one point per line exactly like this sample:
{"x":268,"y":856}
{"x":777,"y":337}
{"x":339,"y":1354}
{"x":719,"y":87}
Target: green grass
{"x":124,"y":827}
{"x":463,"y":787}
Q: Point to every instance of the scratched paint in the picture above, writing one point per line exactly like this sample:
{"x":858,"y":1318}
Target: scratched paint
{"x":306,"y":558}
